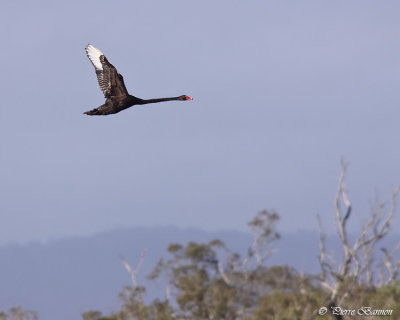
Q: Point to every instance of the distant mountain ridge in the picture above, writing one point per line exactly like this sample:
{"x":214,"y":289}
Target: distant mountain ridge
{"x":62,"y":279}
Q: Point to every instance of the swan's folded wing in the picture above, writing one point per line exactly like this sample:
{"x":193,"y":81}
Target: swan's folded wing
{"x":110,"y":81}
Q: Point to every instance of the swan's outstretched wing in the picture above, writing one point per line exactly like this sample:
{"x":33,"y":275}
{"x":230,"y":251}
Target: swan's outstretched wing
{"x":110,"y":81}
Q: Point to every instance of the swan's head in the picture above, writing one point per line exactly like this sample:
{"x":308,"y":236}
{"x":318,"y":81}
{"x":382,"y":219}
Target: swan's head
{"x":183,"y":97}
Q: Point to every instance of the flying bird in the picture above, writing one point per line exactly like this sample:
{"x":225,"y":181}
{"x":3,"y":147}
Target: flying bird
{"x":113,"y":87}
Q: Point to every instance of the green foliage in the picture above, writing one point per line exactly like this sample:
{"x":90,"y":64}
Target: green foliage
{"x":132,"y":305}
{"x":160,"y":310}
{"x":289,"y":295}
{"x":17,"y":313}
{"x":91,"y":315}
{"x":384,"y":297}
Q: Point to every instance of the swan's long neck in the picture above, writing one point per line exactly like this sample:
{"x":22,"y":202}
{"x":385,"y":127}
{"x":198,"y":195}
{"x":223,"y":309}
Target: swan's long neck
{"x":146,"y":101}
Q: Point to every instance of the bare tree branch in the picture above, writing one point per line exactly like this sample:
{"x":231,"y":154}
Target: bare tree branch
{"x":224,"y":276}
{"x":341,"y":221}
{"x":133,"y":272}
{"x":392,"y":269}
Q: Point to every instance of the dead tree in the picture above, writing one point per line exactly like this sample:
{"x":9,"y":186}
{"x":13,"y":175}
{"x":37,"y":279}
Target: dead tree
{"x":357,"y":265}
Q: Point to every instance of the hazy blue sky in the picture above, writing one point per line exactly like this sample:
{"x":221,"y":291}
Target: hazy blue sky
{"x":282,"y":90}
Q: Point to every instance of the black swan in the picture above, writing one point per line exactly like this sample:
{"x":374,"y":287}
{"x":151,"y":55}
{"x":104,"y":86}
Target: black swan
{"x":113,"y":87}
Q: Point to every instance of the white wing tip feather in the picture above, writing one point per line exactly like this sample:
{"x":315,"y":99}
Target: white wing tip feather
{"x":94,"y":56}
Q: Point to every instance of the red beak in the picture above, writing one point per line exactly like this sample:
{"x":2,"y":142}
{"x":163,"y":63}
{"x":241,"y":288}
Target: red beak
{"x":188,"y":98}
